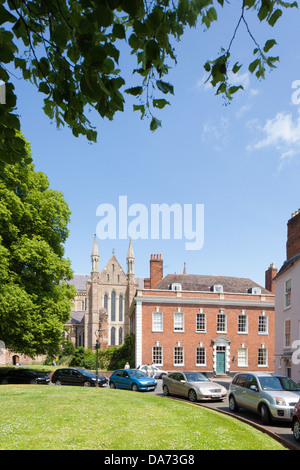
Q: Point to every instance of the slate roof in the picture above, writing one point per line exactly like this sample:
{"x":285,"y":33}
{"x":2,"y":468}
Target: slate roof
{"x":197,"y":282}
{"x":289,"y":262}
{"x":79,"y":281}
{"x":76,"y":317}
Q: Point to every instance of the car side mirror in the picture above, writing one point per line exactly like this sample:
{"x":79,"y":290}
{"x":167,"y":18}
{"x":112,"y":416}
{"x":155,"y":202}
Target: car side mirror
{"x":254,"y":387}
{"x":182,"y":381}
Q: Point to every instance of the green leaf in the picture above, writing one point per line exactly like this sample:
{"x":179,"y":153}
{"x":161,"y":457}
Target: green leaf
{"x":254,"y":65}
{"x":44,"y":88}
{"x":60,"y":36}
{"x":165,"y":87}
{"x":160,"y":104}
{"x":135,"y":91}
{"x":104,"y":15}
{"x":119,"y":31}
{"x":155,"y":123}
{"x":234,"y":89}
{"x":141,"y":108}
{"x":269,"y":44}
{"x":236,"y":67}
{"x":274,"y":17}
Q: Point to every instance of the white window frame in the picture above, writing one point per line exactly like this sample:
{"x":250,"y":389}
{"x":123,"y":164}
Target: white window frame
{"x":287,"y":293}
{"x":200,"y":320}
{"x":157,"y":355}
{"x":262,"y":354}
{"x":201,"y":352}
{"x":263,"y":322}
{"x":287,"y":333}
{"x":178,"y":322}
{"x":222,"y":321}
{"x":178,"y":353}
{"x":242,"y":324}
{"x":157,"y":321}
{"x":242,"y":360}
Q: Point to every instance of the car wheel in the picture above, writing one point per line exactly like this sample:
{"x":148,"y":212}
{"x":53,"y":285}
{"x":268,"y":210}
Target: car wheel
{"x":296,"y":430}
{"x":166,"y":391}
{"x":4,"y":382}
{"x":233,"y":406}
{"x":112,"y":385}
{"x":192,"y":395}
{"x":33,"y":382}
{"x":265,"y":414}
{"x":134,"y":388}
{"x":86,"y":383}
{"x":58,"y":382}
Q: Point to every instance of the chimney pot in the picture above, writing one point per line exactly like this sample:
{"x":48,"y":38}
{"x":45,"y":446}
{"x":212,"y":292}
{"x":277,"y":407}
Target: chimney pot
{"x":156,"y":270}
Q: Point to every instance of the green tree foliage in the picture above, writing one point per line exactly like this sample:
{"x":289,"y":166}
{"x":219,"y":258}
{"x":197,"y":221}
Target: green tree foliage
{"x":34,"y":301}
{"x":108,"y":359}
{"x":70,"y":49}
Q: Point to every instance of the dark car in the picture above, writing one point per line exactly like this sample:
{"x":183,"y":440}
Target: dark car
{"x":132,"y":379}
{"x":77,"y":376}
{"x":296,"y":422}
{"x":24,"y":376}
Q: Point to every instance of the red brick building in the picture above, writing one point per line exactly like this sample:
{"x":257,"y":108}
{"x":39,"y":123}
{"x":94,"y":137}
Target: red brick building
{"x":214,"y":324}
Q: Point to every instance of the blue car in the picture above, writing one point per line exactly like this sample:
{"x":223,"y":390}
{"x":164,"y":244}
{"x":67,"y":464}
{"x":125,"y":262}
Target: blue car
{"x":132,"y":379}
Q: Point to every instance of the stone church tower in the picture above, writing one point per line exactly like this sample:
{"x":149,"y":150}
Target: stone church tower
{"x":108,"y":299}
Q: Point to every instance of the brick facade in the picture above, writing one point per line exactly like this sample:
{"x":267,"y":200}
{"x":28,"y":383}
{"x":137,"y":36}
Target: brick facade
{"x":185,"y":323}
{"x":293,"y":235}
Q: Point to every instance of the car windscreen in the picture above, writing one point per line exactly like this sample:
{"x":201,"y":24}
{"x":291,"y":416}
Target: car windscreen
{"x":196,"y":377}
{"x":87,"y":373}
{"x":289,"y":384}
{"x":137,"y":374}
{"x":278,"y":383}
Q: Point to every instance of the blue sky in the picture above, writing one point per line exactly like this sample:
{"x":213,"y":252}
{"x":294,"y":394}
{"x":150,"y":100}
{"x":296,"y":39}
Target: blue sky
{"x":240,"y":160}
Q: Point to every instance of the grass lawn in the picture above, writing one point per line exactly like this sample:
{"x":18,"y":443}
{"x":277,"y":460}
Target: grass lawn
{"x":66,"y":418}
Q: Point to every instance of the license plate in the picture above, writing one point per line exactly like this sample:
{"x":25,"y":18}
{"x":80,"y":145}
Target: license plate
{"x":216,"y":396}
{"x":151,"y":388}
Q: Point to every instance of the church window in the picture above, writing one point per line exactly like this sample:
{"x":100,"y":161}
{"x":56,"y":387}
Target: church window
{"x":113,"y":336}
{"x":121,"y":308}
{"x":120,"y":335}
{"x":113,"y":306}
{"x":105,"y":301}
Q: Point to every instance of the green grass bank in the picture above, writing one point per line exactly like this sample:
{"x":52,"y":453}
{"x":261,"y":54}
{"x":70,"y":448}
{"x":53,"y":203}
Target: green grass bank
{"x":70,"y":418}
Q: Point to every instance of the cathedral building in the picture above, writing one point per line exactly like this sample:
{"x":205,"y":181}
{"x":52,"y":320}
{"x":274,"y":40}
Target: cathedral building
{"x":102,"y":303}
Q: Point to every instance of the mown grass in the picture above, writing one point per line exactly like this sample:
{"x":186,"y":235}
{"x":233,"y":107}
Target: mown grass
{"x":70,"y":418}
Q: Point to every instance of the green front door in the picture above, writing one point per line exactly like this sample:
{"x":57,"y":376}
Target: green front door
{"x":220,"y":366}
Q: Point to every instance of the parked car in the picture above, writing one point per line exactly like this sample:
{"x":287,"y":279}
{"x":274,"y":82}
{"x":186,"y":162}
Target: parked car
{"x":156,"y":372}
{"x":132,"y":379}
{"x":192,"y":385}
{"x":77,"y":376}
{"x":272,"y":396}
{"x":296,"y":422}
{"x":24,"y":376}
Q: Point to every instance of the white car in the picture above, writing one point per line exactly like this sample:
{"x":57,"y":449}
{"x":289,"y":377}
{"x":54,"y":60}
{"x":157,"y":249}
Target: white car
{"x":193,"y":385}
{"x":155,"y":371}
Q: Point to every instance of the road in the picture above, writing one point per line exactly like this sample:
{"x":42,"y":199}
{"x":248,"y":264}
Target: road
{"x":282,"y":430}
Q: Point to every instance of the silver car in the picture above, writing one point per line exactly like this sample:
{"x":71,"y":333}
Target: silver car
{"x":272,"y":396}
{"x":192,"y":385}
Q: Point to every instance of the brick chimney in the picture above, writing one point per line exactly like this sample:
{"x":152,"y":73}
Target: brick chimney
{"x":269,"y":276}
{"x":156,"y":270}
{"x":293,"y":235}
